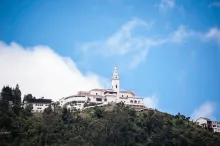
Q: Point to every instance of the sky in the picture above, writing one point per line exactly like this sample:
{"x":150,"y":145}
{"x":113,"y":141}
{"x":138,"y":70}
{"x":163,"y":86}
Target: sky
{"x":166,"y":51}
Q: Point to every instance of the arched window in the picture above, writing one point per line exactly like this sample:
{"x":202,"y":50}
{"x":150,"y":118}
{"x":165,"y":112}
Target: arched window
{"x":116,"y":86}
{"x":131,"y":101}
{"x":135,"y":101}
{"x":138,"y":102}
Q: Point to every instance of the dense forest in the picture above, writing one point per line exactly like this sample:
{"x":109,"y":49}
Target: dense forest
{"x":100,"y":126}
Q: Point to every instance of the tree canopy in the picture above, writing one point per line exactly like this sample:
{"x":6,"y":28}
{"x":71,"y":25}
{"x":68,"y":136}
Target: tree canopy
{"x":109,"y":125}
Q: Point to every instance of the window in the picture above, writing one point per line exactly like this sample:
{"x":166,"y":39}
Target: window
{"x":131,"y":101}
{"x":135,"y":101}
{"x":127,"y":95}
{"x":122,"y":95}
{"x":138,"y":102}
{"x":106,"y":99}
{"x":116,"y":86}
{"x":96,"y":93}
{"x":98,"y":99}
{"x":214,"y":125}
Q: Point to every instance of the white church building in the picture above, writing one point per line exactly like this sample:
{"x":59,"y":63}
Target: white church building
{"x":103,"y":96}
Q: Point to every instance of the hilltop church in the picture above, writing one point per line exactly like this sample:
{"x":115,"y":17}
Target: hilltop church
{"x":103,"y":96}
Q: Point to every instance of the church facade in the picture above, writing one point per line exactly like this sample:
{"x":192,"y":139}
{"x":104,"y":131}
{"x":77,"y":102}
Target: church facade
{"x":103,"y":96}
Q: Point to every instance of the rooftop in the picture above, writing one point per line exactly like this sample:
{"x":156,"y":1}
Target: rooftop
{"x":34,"y":100}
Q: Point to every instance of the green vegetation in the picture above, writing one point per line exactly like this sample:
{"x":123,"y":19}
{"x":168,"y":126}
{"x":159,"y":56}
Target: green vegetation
{"x":99,"y":126}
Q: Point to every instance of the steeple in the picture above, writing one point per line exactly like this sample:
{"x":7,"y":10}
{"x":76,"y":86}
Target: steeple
{"x":115,"y":81}
{"x":115,"y":74}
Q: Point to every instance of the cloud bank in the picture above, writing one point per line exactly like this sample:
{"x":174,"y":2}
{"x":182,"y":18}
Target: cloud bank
{"x":42,"y":72}
{"x":205,"y":110}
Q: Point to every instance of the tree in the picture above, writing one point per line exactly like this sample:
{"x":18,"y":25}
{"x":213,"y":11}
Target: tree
{"x":17,"y":95}
{"x":28,"y":96}
{"x":66,"y":115}
{"x":28,"y":110}
{"x":6,"y":96}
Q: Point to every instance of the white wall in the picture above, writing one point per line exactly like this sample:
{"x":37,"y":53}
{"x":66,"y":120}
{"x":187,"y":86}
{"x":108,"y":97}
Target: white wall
{"x":39,"y":107}
{"x":111,"y":99}
{"x":72,"y":98}
{"x":81,"y":98}
{"x":216,"y":129}
{"x":201,"y":121}
{"x":116,"y":85}
{"x":93,"y":99}
{"x":135,"y":100}
{"x":101,"y":93}
{"x":126,"y":95}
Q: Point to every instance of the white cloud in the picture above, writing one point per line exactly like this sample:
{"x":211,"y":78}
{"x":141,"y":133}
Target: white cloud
{"x":138,"y":58}
{"x":151,"y":102}
{"x":213,"y":33}
{"x":180,"y":34}
{"x":215,"y":4}
{"x":40,"y":71}
{"x":165,"y":4}
{"x":129,"y":48}
{"x":122,"y":41}
{"x":205,"y":110}
{"x":124,"y":44}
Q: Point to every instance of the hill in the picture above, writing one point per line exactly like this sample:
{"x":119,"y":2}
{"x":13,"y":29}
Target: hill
{"x":98,"y":126}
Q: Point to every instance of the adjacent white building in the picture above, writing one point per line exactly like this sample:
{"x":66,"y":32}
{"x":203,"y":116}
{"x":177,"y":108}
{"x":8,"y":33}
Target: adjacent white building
{"x":38,"y":104}
{"x":209,"y":124}
{"x":103,"y":96}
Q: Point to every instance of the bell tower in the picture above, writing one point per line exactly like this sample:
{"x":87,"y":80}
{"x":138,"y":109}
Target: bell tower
{"x":115,"y":81}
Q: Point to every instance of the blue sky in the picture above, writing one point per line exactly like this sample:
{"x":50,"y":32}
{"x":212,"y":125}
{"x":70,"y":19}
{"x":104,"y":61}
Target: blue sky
{"x":166,"y":50}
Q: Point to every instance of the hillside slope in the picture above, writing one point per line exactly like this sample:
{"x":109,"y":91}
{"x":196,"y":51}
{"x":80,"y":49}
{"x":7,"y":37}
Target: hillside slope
{"x":99,"y":126}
